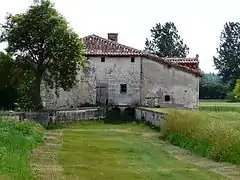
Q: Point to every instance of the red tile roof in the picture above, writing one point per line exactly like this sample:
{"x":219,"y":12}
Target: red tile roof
{"x":184,"y":60}
{"x":97,"y":46}
{"x":187,"y":62}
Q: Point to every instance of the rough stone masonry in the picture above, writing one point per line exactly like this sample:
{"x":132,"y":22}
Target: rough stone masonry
{"x":121,"y":75}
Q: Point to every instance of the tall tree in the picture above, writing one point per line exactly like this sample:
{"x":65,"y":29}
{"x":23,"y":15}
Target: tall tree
{"x":43,"y":45}
{"x":228,"y":58}
{"x":10,"y":80}
{"x":166,"y":42}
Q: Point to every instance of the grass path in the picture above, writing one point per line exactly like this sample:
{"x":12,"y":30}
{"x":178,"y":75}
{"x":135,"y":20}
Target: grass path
{"x":43,"y":160}
{"x":102,"y":151}
{"x":228,"y":170}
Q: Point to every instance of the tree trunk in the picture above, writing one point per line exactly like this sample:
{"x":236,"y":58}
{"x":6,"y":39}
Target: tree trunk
{"x":37,"y":101}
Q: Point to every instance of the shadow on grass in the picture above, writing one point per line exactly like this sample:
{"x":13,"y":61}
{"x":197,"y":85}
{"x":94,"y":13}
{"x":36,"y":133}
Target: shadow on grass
{"x":109,"y":121}
{"x":113,"y":117}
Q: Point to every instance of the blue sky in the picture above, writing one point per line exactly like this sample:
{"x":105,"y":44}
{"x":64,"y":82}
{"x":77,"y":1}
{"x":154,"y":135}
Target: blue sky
{"x":199,"y":22}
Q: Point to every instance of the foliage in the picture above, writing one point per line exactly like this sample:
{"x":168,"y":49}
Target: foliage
{"x":166,"y":42}
{"x":10,"y":79}
{"x":44,"y":47}
{"x":212,"y":91}
{"x":231,"y":96}
{"x":16,"y":141}
{"x":228,"y":59}
{"x":236,"y":89}
{"x":213,"y":135}
{"x":212,"y":87}
{"x":211,"y":78}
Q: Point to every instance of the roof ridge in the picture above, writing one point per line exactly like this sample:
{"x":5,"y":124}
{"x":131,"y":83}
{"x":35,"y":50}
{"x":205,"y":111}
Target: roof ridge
{"x":114,"y":43}
{"x":179,"y":57}
{"x":99,"y":46}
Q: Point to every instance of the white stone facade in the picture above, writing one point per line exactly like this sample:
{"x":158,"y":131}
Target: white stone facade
{"x":160,"y":81}
{"x":82,"y":94}
{"x":121,"y":75}
{"x":157,"y":80}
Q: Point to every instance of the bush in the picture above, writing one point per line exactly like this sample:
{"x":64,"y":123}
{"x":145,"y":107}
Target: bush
{"x":17,"y":139}
{"x":212,"y":135}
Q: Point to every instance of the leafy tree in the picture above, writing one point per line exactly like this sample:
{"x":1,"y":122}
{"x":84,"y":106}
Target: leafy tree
{"x":44,"y":47}
{"x":10,"y":79}
{"x":212,"y":91}
{"x":212,"y":87}
{"x":236,"y":89}
{"x":211,"y":78}
{"x":228,"y":59}
{"x":166,"y":42}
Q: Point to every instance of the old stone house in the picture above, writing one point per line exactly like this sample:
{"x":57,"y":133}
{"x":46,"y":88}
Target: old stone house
{"x":122,"y":75}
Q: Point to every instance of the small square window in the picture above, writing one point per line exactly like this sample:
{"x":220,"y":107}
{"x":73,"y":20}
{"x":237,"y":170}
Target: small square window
{"x":132,"y":59}
{"x":102,"y":59}
{"x":167,"y":98}
{"x":123,"y":88}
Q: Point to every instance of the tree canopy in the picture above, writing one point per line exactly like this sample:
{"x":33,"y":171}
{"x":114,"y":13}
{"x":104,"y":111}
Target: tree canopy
{"x":166,"y":42}
{"x":10,"y":79}
{"x":44,"y":47}
{"x":212,"y":87}
{"x":227,"y":60}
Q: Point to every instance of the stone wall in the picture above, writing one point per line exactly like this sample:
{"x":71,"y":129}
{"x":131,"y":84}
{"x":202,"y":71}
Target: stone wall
{"x":59,"y":116}
{"x":119,"y":70}
{"x":160,"y":81}
{"x":153,"y":117}
{"x":82,"y":94}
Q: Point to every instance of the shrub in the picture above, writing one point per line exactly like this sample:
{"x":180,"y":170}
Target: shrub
{"x":212,"y":135}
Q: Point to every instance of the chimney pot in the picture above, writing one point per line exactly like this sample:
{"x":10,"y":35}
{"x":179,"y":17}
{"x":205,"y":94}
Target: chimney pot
{"x":197,"y":56}
{"x":113,"y":36}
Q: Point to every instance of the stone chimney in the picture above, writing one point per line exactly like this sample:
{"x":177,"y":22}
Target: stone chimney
{"x":113,"y":36}
{"x":197,"y":56}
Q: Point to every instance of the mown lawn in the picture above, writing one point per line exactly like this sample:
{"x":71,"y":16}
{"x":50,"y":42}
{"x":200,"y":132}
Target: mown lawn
{"x":210,"y":103}
{"x":219,"y":106}
{"x":125,"y":151}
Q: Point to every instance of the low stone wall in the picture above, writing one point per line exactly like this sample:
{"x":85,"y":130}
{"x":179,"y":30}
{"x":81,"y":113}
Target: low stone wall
{"x":58,"y":116}
{"x":153,"y":117}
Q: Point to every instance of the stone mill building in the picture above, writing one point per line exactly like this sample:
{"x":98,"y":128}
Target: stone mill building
{"x":121,"y":75}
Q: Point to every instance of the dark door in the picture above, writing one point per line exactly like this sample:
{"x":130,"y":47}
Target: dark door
{"x":102,"y":94}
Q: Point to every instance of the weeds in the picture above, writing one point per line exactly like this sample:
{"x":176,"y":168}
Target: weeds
{"x":215,"y":135}
{"x":17,"y":139}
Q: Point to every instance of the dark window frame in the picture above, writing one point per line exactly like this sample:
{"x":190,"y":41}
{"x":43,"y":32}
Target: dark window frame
{"x":167,"y":98}
{"x":123,"y":88}
{"x":102,"y":59}
{"x":132,"y":59}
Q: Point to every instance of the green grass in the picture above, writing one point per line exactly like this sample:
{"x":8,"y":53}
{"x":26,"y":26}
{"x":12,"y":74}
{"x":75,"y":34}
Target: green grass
{"x":104,"y":151}
{"x":16,"y":141}
{"x":219,"y":106}
{"x":215,"y":135}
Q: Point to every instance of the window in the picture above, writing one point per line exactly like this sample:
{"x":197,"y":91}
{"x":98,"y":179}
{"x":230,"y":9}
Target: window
{"x":123,"y":88}
{"x":167,"y":98}
{"x":132,"y":59}
{"x":102,"y":59}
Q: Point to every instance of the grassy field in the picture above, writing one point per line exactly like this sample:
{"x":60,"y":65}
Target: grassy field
{"x":103,"y":150}
{"x":219,"y":106}
{"x":124,"y":151}
{"x":17,"y":139}
{"x":210,"y":134}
